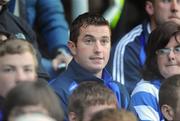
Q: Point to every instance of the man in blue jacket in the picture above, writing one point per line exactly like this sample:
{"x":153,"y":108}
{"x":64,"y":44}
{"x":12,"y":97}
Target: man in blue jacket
{"x":90,"y":44}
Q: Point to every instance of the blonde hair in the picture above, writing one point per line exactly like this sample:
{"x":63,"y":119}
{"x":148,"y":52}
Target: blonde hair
{"x":17,"y":46}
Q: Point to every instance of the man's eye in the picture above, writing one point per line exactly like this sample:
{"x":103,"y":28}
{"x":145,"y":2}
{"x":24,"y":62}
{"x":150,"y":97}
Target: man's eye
{"x":8,"y":70}
{"x":28,"y":70}
{"x":104,"y":41}
{"x":88,"y":41}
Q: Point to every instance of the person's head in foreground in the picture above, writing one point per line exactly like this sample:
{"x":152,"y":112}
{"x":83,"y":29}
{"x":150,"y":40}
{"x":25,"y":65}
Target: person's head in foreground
{"x":32,"y":97}
{"x":89,"y":98}
{"x":18,"y":63}
{"x":113,"y":115}
{"x":169,"y":98}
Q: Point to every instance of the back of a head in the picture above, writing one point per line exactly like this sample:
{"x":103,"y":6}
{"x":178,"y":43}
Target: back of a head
{"x":169,"y":91}
{"x":113,"y":115}
{"x":90,"y":94}
{"x":33,"y":94}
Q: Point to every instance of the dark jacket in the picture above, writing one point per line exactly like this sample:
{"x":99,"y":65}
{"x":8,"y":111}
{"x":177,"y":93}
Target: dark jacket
{"x":19,"y":28}
{"x":75,"y":74}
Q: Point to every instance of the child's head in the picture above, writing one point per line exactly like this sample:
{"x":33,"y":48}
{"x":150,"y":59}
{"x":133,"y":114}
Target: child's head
{"x":169,"y":98}
{"x":88,"y":98}
{"x":113,"y":115}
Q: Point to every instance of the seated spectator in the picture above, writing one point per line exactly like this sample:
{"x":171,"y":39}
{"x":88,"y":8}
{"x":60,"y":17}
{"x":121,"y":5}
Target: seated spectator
{"x":113,"y":115}
{"x":90,"y":44}
{"x":163,"y":61}
{"x":129,"y":53}
{"x":89,"y":98}
{"x":18,"y":63}
{"x":31,"y":98}
{"x":169,"y":98}
{"x":21,"y":30}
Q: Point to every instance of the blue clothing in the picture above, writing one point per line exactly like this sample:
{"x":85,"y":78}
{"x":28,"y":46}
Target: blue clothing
{"x":130,"y":55}
{"x":75,"y":74}
{"x":47,"y":16}
{"x":145,"y":101}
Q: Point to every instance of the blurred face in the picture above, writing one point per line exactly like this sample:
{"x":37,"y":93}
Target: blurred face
{"x":169,"y":60}
{"x":167,"y":10}
{"x":14,"y":69}
{"x":90,"y":111}
{"x":93,"y":48}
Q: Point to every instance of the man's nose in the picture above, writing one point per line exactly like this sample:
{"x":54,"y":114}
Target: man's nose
{"x":21,"y":76}
{"x":97,"y":46}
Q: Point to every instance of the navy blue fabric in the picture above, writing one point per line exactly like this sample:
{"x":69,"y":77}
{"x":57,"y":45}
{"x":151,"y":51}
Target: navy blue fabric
{"x":75,"y":74}
{"x":131,"y":55}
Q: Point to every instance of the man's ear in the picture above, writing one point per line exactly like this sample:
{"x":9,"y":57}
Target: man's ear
{"x":72,"y":116}
{"x":149,"y":8}
{"x":167,"y":112}
{"x":72,"y":47}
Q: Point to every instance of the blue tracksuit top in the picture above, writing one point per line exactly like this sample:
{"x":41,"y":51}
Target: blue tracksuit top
{"x":75,"y":74}
{"x":129,"y":56}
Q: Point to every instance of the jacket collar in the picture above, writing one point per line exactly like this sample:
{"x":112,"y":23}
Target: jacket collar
{"x":80,"y":74}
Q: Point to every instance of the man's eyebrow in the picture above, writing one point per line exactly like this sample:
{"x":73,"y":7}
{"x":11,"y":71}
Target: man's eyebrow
{"x":88,"y":35}
{"x":177,"y":45}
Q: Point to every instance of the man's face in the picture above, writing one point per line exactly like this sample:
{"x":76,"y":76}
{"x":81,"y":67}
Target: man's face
{"x":15,"y":68}
{"x":169,"y":64}
{"x":93,"y":48}
{"x":167,"y":10}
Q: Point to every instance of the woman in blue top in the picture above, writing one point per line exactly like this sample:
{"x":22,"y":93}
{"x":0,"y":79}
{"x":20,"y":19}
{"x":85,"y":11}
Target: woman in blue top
{"x":163,"y":60}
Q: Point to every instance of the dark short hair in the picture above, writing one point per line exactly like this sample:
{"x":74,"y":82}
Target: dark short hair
{"x":169,"y":90}
{"x":158,"y":39}
{"x":85,"y":20}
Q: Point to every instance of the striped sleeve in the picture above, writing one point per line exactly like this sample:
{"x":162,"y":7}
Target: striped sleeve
{"x":144,"y":100}
{"x":118,"y":60}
